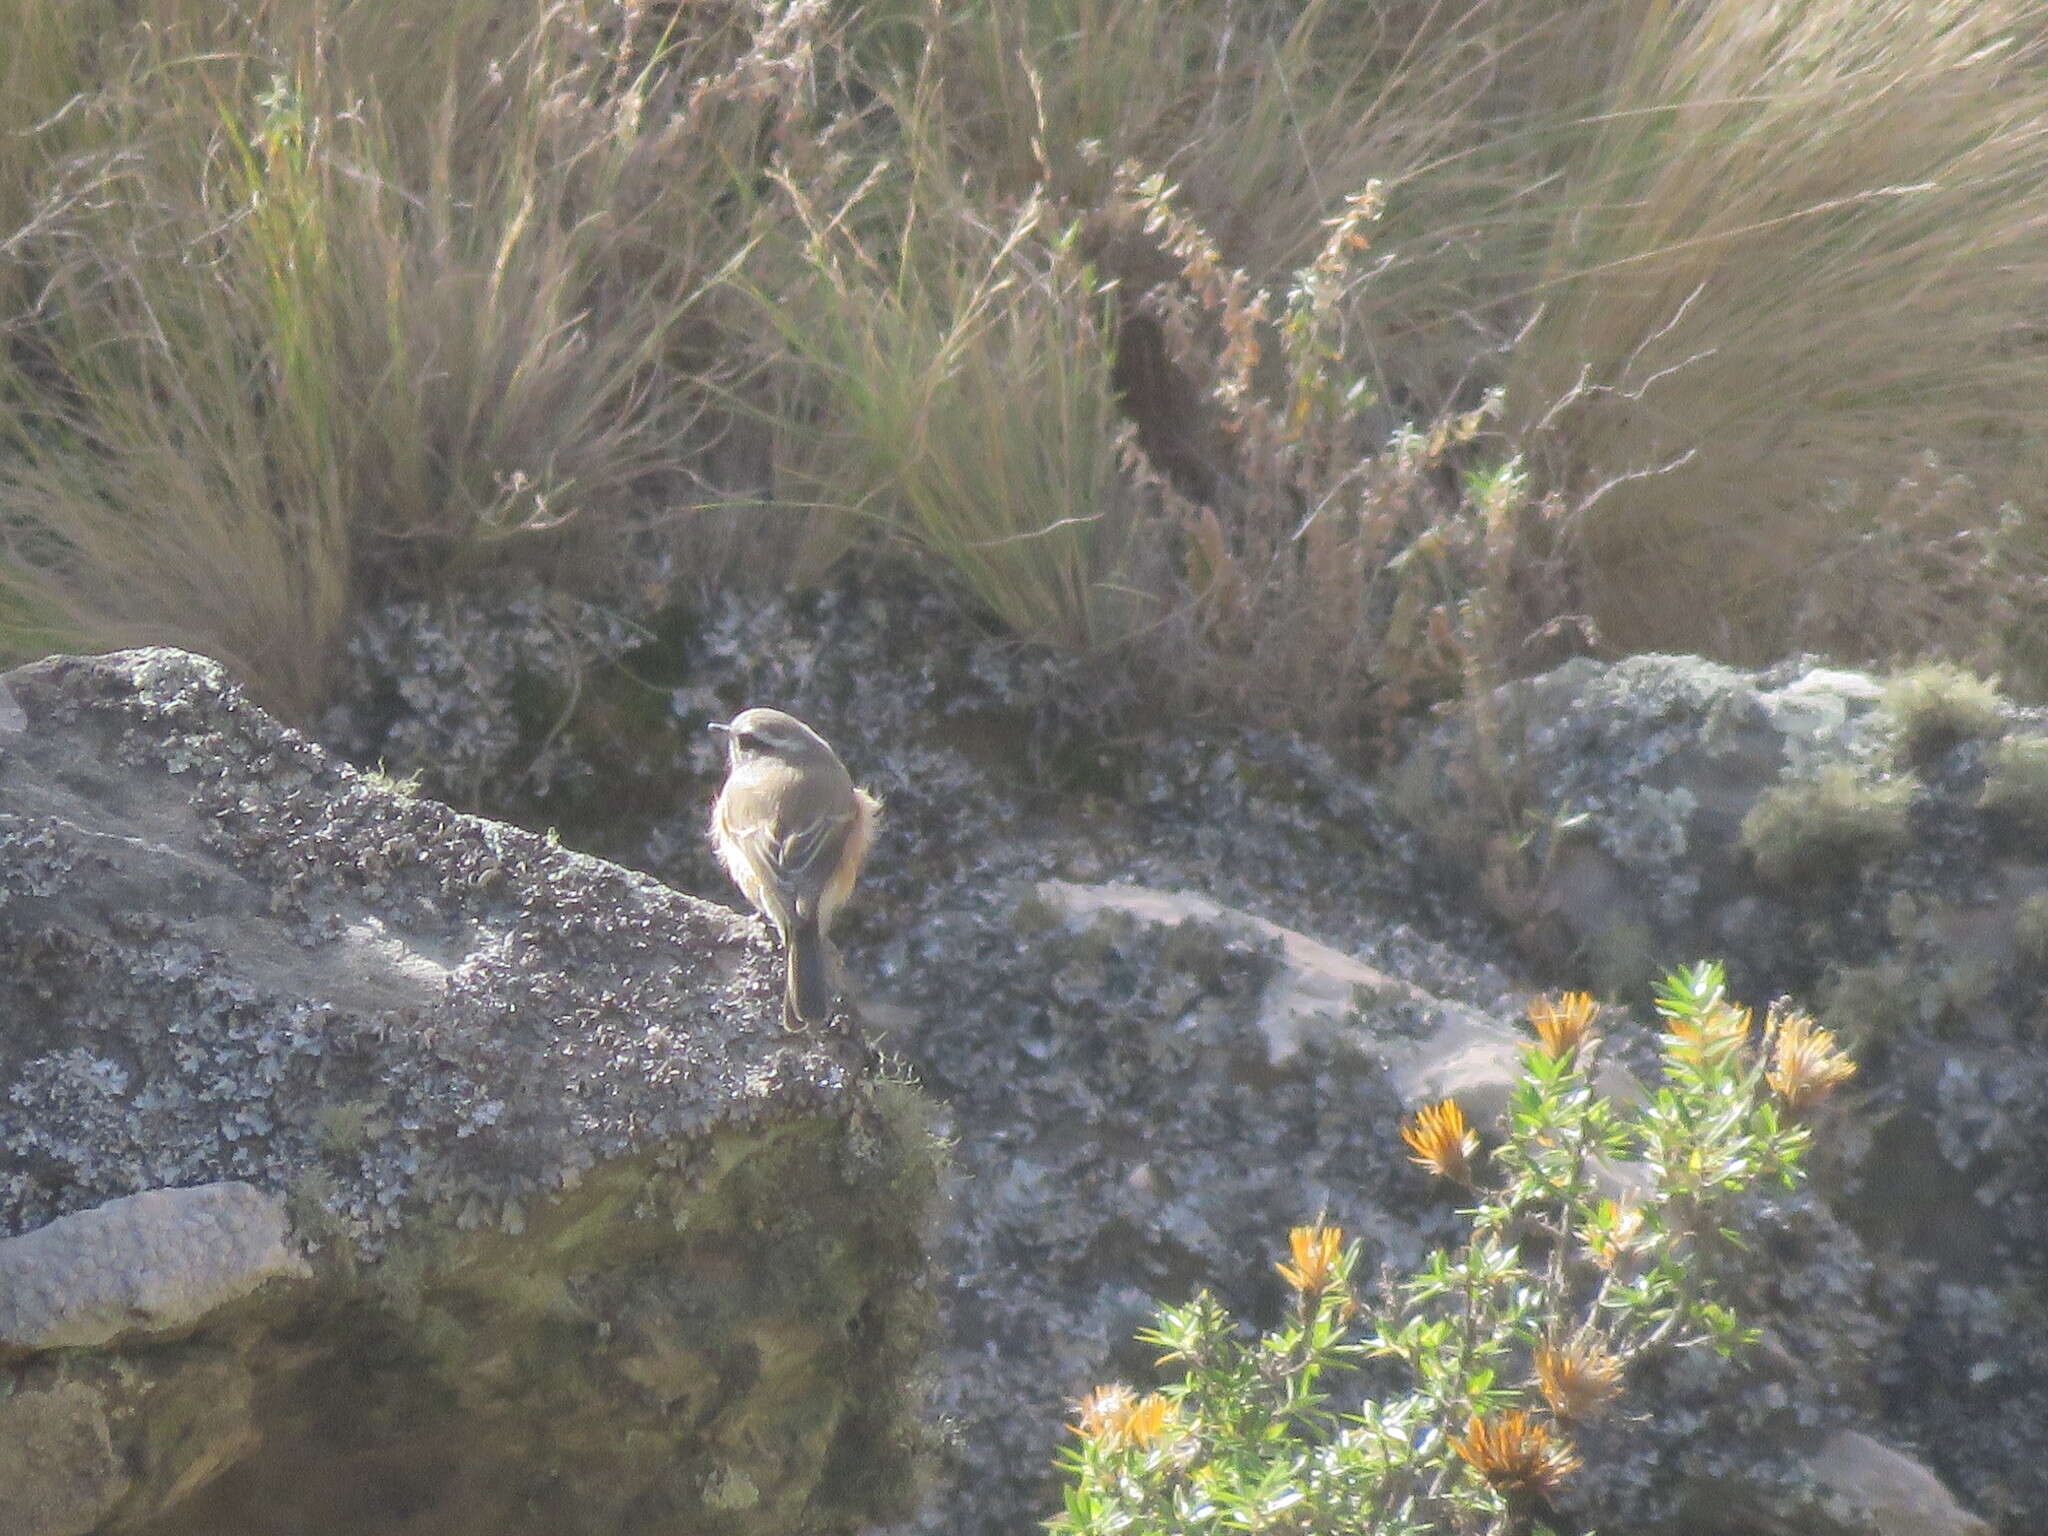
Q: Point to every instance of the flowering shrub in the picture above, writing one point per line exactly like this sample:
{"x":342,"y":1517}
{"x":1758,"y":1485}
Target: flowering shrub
{"x":1595,"y":1233}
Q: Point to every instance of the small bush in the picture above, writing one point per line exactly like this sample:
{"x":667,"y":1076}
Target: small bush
{"x":1335,"y":566}
{"x":1510,"y":1341}
{"x":957,"y":400}
{"x":1828,"y":826}
{"x":2016,"y":783}
{"x":1871,"y":1005}
{"x":1937,"y":704}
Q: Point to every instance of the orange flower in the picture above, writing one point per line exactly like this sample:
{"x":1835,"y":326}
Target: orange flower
{"x":1315,"y":1258}
{"x":1805,"y":1064}
{"x":1578,"y":1379}
{"x":1563,"y":1022}
{"x":1614,"y":1232}
{"x":1719,"y":1031}
{"x":1114,"y":1417}
{"x":1441,"y":1141}
{"x":1104,"y":1411}
{"x":1149,"y":1420}
{"x":1515,"y":1452}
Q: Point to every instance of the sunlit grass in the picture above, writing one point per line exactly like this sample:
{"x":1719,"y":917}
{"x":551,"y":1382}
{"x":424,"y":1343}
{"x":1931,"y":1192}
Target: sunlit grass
{"x":1791,"y":253}
{"x":964,"y":409}
{"x":307,"y":303}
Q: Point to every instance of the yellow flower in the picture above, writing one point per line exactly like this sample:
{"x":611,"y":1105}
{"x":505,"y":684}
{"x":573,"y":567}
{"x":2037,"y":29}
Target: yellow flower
{"x":1441,"y":1141}
{"x":1149,"y":1420}
{"x":1115,"y":1417}
{"x":1805,"y":1064}
{"x":1578,"y":1380}
{"x":1614,"y":1233}
{"x":1513,"y":1451}
{"x":1563,"y":1022}
{"x":1315,"y":1258}
{"x":1103,"y":1412}
{"x":1718,"y":1032}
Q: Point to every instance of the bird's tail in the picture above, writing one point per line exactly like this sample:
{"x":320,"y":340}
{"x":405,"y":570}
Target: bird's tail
{"x":807,"y":992}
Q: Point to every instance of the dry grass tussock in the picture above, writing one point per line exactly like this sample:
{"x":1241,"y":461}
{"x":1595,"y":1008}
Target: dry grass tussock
{"x":1791,"y":263}
{"x":1314,"y":360}
{"x":1755,"y":297}
{"x":306,"y":299}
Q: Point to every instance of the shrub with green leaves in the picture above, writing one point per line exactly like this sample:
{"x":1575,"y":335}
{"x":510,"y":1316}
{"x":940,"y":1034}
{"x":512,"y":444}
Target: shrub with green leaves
{"x":1597,"y":1230}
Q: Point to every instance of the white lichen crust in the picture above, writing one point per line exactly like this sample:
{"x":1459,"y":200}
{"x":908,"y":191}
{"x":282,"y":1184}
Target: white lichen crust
{"x":148,"y":1264}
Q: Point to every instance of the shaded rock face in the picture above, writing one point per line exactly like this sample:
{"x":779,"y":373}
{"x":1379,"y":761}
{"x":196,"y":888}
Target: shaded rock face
{"x":1173,"y":993}
{"x":369,"y":1166}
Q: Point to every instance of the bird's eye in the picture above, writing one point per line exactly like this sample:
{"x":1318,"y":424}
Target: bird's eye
{"x":747,"y":739}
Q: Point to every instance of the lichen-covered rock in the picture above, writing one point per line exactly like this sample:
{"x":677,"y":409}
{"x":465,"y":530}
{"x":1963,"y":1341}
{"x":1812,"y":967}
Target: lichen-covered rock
{"x":149,"y":1263}
{"x":1801,"y":822}
{"x":1173,"y":989}
{"x":1877,"y":851}
{"x":581,"y":1240}
{"x":1862,"y":1486}
{"x":1634,"y":781}
{"x":1443,"y":1049}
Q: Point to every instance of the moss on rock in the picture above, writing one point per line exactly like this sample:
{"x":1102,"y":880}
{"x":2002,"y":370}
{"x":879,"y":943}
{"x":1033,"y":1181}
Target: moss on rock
{"x":595,"y":1245}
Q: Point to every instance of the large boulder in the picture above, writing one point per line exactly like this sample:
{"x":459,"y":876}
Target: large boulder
{"x":366,"y":1166}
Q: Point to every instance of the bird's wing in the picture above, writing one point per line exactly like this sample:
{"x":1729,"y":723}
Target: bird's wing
{"x":808,"y":853}
{"x":798,"y":856}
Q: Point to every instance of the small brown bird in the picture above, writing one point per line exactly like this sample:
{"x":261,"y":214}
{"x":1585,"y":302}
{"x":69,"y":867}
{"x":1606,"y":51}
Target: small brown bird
{"x":791,"y":830}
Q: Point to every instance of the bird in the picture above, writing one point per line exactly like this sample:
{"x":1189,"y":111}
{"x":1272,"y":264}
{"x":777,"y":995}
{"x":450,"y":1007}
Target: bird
{"x":792,"y":829}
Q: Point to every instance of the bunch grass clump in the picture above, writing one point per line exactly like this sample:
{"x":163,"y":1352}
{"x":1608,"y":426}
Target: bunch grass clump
{"x":1828,"y":826}
{"x":1793,"y":264}
{"x":1510,"y":1343}
{"x":309,"y":300}
{"x":2016,"y":783}
{"x":1937,"y":704}
{"x":958,"y":392}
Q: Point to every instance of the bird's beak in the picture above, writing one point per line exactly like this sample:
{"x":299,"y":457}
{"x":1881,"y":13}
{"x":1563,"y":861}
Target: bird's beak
{"x":718,"y":725}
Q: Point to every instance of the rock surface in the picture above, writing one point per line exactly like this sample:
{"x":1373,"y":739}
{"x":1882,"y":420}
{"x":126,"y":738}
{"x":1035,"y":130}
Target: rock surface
{"x":1173,"y":991}
{"x":1865,"y":1486}
{"x":58,"y":1472}
{"x":151,"y":1263}
{"x":1882,"y":854}
{"x":580,"y":1240}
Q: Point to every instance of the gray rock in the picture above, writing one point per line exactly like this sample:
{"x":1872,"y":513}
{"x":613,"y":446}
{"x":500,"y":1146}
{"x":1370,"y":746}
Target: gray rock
{"x":1443,"y":1049}
{"x":151,"y":1263}
{"x":1173,"y":991}
{"x":1867,"y":1487}
{"x":581,"y":1240}
{"x":58,"y":1472}
{"x":1635,"y":779}
{"x":1315,"y":988}
{"x":1847,"y":1484}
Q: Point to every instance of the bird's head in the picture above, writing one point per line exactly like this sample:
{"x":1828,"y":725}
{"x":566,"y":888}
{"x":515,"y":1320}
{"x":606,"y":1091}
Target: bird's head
{"x":753,"y":734}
